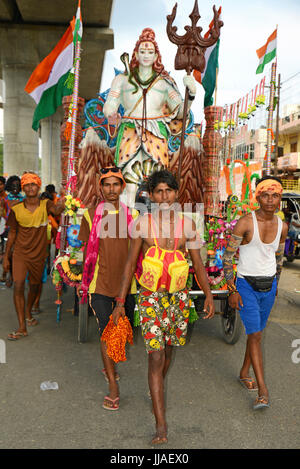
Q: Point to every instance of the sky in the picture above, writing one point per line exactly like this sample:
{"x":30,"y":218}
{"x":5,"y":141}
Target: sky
{"x":247,"y":25}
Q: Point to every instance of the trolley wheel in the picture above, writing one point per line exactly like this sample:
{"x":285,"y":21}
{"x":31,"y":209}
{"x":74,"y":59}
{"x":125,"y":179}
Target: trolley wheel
{"x":231,"y":323}
{"x":290,"y":258}
{"x":83,"y":321}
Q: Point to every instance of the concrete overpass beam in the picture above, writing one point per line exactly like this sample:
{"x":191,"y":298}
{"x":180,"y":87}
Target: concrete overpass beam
{"x":20,"y":141}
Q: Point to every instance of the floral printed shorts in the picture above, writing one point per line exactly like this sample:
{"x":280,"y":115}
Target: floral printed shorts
{"x":164,"y":318}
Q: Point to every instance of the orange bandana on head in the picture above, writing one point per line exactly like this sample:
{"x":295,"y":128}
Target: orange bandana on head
{"x":30,"y":178}
{"x":268,"y":185}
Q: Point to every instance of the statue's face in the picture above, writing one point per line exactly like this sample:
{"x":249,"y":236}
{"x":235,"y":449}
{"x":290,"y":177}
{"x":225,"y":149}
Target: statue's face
{"x":146,"y":55}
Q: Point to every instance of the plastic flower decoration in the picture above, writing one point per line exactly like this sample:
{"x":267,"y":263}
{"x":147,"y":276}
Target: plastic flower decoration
{"x":72,"y":205}
{"x":72,"y":236}
{"x":260,"y":99}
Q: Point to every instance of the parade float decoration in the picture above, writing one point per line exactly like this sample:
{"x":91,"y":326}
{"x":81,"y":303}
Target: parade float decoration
{"x":67,"y":267}
{"x":216,"y":236}
{"x":219,"y":229}
{"x":185,"y":154}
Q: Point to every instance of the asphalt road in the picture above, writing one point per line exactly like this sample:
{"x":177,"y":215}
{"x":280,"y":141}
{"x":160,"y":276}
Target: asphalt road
{"x":206,"y":406}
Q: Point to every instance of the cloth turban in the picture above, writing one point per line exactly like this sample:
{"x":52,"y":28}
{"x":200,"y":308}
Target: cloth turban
{"x":30,"y":178}
{"x":268,"y":185}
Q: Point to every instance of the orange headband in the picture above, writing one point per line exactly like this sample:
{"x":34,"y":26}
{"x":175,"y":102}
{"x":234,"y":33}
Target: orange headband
{"x":268,"y":185}
{"x":30,"y":178}
{"x":112,"y":172}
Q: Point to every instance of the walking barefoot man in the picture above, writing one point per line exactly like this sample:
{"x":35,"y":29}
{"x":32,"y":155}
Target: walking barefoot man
{"x":164,"y":315}
{"x":260,"y":237}
{"x":27,"y":237}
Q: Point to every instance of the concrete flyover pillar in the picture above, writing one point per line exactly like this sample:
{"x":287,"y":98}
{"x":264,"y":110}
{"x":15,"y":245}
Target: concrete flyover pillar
{"x":51,"y":150}
{"x":20,"y":141}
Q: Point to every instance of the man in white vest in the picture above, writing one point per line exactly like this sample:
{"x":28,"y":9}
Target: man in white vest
{"x":260,"y":238}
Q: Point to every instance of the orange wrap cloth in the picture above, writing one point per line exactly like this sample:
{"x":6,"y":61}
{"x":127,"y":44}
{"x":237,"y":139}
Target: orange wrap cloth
{"x":116,"y":338}
{"x":268,"y":185}
{"x":30,"y":178}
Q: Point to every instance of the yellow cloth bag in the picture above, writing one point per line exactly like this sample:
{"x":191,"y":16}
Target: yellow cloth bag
{"x":178,"y":272}
{"x":152,"y":265}
{"x":152,"y":270}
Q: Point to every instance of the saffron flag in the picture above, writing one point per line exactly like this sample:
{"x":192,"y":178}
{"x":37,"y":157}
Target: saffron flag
{"x":48,"y":82}
{"x":267,"y":52}
{"x":208,"y":77}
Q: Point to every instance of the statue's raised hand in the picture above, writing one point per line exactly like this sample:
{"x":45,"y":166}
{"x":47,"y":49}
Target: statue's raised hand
{"x":190,"y":83}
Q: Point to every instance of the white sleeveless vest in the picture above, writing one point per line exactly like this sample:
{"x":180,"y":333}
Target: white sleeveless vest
{"x":257,"y":258}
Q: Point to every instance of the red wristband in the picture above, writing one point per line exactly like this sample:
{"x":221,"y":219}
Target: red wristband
{"x":120,"y":300}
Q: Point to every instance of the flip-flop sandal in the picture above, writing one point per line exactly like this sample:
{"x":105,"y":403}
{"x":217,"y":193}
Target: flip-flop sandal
{"x":114,"y":403}
{"x":32,"y":322}
{"x":261,"y":402}
{"x":250,"y":381}
{"x":117,"y":376}
{"x":16,"y":335}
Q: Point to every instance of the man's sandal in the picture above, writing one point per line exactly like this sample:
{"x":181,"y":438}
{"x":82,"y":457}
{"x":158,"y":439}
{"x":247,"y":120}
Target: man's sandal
{"x":261,"y":402}
{"x":32,"y":322}
{"x":248,"y":383}
{"x":17,"y":335}
{"x":117,"y":376}
{"x":111,"y":404}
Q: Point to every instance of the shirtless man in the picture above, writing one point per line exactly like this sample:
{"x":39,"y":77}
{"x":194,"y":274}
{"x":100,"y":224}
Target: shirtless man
{"x":260,"y":237}
{"x":150,"y":98}
{"x":28,"y":238}
{"x":164,"y":316}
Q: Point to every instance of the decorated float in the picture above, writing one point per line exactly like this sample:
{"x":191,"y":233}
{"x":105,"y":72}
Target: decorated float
{"x":138,"y":139}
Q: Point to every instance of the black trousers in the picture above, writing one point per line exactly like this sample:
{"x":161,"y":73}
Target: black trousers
{"x":103,"y":307}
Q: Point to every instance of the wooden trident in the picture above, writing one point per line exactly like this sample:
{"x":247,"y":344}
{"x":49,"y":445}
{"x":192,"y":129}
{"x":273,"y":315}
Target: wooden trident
{"x":191,"y":54}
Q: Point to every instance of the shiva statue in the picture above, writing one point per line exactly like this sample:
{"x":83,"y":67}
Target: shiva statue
{"x":151,"y":100}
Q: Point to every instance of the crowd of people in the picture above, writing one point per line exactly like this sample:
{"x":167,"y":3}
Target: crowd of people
{"x":126,"y":252}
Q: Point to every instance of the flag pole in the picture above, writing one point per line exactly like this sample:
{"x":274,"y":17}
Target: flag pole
{"x":270,"y":118}
{"x":270,"y":133}
{"x":74,"y":115}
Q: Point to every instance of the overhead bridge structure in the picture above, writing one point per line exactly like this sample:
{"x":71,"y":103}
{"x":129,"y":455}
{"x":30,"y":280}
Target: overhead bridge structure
{"x":29,"y":30}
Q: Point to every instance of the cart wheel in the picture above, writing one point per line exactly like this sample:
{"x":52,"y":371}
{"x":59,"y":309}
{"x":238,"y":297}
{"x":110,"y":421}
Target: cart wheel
{"x":290,"y":258}
{"x":83,"y":321}
{"x":231,"y":323}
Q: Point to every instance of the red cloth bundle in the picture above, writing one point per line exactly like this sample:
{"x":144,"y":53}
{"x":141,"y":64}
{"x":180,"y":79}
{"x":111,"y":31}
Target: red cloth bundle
{"x":116,"y":338}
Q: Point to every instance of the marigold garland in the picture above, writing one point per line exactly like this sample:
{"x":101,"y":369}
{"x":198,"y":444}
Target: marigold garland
{"x":63,"y":272}
{"x":116,"y":338}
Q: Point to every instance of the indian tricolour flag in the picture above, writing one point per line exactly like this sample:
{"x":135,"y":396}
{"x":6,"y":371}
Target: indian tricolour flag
{"x":208,"y":77}
{"x":267,"y":52}
{"x":47,"y":84}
